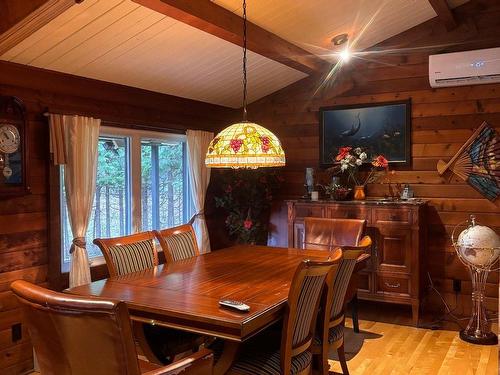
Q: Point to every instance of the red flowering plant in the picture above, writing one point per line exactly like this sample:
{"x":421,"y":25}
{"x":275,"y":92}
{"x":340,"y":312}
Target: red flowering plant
{"x":349,"y":160}
{"x":246,"y":196}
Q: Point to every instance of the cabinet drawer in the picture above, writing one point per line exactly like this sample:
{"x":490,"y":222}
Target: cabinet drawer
{"x":392,"y":284}
{"x":342,"y":212}
{"x":306,"y":210}
{"x":386,"y":214}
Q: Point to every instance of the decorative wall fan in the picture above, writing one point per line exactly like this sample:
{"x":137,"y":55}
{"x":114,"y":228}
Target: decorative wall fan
{"x":478,"y":161}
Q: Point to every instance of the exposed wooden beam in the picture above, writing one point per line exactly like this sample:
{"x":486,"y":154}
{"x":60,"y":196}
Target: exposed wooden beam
{"x":222,"y":23}
{"x":444,"y":13}
{"x":20,"y":19}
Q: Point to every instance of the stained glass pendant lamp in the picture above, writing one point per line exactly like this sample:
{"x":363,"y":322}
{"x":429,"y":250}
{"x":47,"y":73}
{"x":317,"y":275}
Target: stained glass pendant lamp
{"x":245,"y":144}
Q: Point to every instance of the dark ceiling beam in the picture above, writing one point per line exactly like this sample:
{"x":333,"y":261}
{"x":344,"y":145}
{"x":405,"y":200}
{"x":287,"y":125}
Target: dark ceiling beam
{"x":222,"y":23}
{"x":20,"y":19}
{"x":444,"y":13}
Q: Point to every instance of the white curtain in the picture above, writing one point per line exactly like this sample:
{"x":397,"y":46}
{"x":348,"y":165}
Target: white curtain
{"x":197,"y":144}
{"x":73,"y":142}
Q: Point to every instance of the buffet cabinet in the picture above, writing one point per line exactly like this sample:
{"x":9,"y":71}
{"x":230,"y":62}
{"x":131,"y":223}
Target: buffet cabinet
{"x":395,"y":270}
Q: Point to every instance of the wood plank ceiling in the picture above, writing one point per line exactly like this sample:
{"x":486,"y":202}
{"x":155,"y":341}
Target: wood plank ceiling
{"x":123,"y":42}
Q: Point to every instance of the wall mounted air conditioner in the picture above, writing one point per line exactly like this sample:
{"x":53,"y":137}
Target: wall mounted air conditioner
{"x":465,"y":68}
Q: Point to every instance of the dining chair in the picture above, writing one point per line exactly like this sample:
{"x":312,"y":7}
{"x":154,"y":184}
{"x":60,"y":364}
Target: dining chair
{"x":290,"y":354}
{"x":330,"y":331}
{"x":133,"y":253}
{"x":88,"y":335}
{"x":126,"y":254}
{"x":178,"y":243}
{"x":326,"y":234}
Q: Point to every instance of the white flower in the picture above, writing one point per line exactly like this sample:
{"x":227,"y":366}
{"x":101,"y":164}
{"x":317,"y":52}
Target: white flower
{"x":343,"y":167}
{"x":358,"y":150}
{"x":359,"y":162}
{"x":363,"y":156}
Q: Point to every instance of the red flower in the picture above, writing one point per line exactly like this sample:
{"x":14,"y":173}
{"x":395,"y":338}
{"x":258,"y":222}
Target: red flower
{"x":248,"y":224}
{"x":235,"y":144}
{"x":343,"y":152}
{"x":228,"y":189}
{"x":380,"y":162}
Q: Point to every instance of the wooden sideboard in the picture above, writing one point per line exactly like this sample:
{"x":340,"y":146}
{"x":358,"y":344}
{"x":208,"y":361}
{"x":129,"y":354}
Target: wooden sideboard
{"x":398,"y":230}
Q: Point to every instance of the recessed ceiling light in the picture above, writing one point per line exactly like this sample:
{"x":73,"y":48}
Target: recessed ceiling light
{"x":345,"y":55}
{"x":337,"y":40}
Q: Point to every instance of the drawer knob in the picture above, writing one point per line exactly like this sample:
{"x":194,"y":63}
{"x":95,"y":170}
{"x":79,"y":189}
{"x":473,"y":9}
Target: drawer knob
{"x":394,"y":286}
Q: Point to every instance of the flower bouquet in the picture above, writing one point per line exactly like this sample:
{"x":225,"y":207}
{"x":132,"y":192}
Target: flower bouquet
{"x":350,"y":160}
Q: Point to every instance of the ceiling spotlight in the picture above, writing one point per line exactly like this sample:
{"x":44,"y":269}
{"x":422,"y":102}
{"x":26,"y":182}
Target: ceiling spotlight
{"x":345,"y":55}
{"x":337,"y":40}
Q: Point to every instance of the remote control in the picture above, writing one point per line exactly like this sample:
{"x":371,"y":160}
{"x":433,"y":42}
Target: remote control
{"x":234,"y":304}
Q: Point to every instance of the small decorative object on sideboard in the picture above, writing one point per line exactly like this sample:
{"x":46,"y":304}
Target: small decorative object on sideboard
{"x":309,"y":182}
{"x":407,"y":192}
{"x":478,"y":247}
{"x":12,"y":147}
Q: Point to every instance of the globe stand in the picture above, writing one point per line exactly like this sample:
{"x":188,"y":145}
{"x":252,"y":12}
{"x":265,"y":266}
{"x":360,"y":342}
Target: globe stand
{"x":478,"y":330}
{"x":477,"y":248}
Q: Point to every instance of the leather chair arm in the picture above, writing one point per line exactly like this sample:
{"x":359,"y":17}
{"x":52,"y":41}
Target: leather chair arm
{"x":200,"y":363}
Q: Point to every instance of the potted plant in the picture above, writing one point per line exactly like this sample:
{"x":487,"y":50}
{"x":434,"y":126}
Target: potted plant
{"x":246,"y":196}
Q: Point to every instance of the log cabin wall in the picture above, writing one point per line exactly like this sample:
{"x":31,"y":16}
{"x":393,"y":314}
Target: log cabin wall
{"x":442,"y":120}
{"x":24,"y":221}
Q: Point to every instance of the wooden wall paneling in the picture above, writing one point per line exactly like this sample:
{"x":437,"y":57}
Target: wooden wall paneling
{"x":442,"y":119}
{"x":25,"y":221}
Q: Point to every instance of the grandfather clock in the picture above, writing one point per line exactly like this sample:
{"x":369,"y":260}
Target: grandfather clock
{"x":13,"y":147}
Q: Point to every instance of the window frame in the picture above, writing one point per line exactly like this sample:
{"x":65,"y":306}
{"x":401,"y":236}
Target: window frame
{"x":58,"y":269}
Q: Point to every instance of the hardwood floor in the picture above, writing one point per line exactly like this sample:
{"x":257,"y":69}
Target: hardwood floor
{"x":391,"y":349}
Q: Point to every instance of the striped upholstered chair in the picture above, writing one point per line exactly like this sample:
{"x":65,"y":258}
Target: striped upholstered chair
{"x":326,"y":234}
{"x":128,"y":253}
{"x":290,"y":353}
{"x":178,"y":243}
{"x":331,"y":320}
{"x":135,"y":253}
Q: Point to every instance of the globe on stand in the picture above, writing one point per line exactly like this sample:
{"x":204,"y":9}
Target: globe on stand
{"x":478,"y":247}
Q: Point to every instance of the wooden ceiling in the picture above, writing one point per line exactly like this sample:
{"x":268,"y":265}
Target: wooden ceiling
{"x":174,"y":47}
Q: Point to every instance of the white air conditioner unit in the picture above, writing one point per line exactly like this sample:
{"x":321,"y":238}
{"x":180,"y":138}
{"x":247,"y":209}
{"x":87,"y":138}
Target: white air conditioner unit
{"x":465,"y":68}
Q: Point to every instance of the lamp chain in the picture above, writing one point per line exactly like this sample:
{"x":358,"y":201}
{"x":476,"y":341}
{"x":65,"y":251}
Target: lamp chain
{"x":244,"y":60}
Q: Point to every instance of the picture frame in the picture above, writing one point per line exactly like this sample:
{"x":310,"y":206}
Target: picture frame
{"x":379,"y":128}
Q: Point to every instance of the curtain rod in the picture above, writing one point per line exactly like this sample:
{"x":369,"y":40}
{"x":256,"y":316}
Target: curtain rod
{"x":127,"y":125}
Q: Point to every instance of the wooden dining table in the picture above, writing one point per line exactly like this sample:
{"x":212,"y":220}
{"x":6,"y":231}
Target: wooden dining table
{"x":185,"y":295}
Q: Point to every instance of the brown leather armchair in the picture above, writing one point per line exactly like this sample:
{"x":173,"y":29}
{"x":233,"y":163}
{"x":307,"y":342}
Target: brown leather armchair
{"x":89,"y":336}
{"x":327,"y":234}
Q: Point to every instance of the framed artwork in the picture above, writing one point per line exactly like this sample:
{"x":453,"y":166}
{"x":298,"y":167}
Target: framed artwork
{"x":12,"y":147}
{"x":379,"y":128}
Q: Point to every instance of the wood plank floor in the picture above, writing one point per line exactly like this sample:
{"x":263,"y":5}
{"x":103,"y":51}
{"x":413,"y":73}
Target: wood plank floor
{"x":391,"y":349}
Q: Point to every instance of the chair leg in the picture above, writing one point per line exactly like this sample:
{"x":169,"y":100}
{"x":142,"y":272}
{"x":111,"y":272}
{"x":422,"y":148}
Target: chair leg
{"x":354,"y":311}
{"x":343,"y":362}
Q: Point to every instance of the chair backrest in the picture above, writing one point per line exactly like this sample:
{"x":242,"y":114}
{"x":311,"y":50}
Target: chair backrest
{"x":178,"y":243}
{"x":326,"y":234}
{"x":76,"y":335}
{"x":128,"y":254}
{"x":302,"y":307}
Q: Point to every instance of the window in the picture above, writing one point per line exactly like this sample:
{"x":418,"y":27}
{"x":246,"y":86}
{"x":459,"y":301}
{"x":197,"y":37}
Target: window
{"x":141,"y":184}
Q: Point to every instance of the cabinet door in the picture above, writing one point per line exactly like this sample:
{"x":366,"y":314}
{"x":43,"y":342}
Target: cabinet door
{"x":298,"y":235}
{"x":393,"y":247}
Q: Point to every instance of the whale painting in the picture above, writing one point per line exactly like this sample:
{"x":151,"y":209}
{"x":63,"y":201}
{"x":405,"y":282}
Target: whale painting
{"x":379,"y":128}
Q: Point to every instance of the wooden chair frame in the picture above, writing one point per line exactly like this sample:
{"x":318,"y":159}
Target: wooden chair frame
{"x":161,"y":234}
{"x":105,"y":243}
{"x":326,"y":322}
{"x":305,"y":269}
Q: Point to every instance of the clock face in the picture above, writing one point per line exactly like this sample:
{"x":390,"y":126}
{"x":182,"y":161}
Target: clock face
{"x":9,"y":139}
